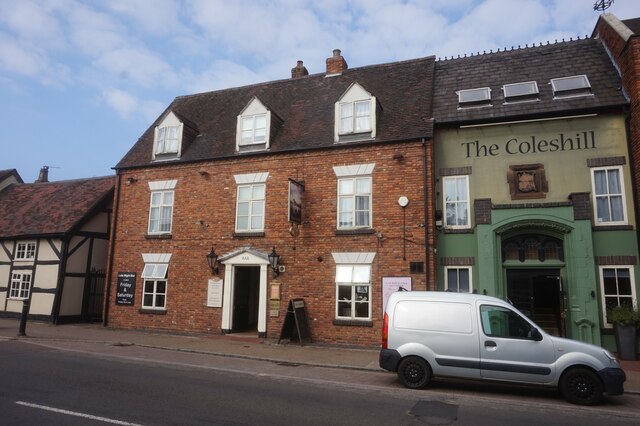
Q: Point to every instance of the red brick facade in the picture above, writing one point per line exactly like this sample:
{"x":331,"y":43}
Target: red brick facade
{"x":624,"y":48}
{"x":204,"y":216}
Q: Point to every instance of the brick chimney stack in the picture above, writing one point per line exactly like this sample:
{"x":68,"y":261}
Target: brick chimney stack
{"x":336,"y":64}
{"x":299,"y":70}
{"x":44,"y":175}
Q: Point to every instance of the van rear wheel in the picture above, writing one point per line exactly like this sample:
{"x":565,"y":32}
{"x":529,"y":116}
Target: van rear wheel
{"x":414,"y":372}
{"x":581,"y":386}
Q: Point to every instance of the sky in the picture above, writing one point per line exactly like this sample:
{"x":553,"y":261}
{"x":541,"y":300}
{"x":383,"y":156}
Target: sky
{"x":81,"y":80}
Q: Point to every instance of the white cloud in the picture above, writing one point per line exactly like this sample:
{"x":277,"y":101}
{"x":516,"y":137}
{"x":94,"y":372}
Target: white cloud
{"x":131,"y":107}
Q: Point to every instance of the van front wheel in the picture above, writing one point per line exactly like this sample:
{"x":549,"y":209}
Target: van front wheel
{"x":414,"y":372}
{"x":581,"y":386}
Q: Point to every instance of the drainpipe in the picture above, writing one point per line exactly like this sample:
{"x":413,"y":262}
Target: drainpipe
{"x":112,"y":247}
{"x":426,"y":209}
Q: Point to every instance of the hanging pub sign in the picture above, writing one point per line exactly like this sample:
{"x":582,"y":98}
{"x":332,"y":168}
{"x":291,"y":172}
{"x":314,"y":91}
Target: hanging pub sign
{"x":295,"y":201}
{"x":126,"y":288}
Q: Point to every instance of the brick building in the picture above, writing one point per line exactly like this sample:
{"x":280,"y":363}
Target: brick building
{"x":332,"y":172}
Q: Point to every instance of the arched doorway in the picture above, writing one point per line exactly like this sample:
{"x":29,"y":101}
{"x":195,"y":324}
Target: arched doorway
{"x":533,"y":264}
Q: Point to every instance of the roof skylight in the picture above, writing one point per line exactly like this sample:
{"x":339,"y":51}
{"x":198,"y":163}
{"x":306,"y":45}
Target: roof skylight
{"x":520,"y":91}
{"x":470,"y":97}
{"x":576,"y":85}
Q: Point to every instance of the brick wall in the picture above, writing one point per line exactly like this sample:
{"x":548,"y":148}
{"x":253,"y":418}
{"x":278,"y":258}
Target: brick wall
{"x":626,"y":54}
{"x":204,"y":216}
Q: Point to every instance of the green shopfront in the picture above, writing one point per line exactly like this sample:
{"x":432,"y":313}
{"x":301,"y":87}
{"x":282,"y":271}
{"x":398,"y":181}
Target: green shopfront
{"x":540,"y":212}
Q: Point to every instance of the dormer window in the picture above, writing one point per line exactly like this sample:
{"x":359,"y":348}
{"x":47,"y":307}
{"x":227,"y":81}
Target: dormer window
{"x":355,"y":115}
{"x":480,"y":96}
{"x":577,"y":85}
{"x":254,"y":127}
{"x":168,"y":140}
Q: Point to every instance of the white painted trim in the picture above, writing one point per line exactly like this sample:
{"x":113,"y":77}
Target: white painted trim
{"x":446,"y":276}
{"x":251,"y":178}
{"x":444,"y":202}
{"x":156,"y":257}
{"x":353,"y":257}
{"x":354,"y":170}
{"x":244,"y":257}
{"x":603,"y":306}
{"x":625,"y":219}
{"x":161,"y":185}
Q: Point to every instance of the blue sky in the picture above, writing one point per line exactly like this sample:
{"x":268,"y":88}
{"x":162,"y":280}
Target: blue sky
{"x":81,"y":80}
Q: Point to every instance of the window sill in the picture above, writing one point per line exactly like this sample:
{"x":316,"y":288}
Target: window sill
{"x":360,"y":231}
{"x":612,"y":228}
{"x":158,"y":236}
{"x":152,"y":311}
{"x":248,"y":234}
{"x":353,"y":322}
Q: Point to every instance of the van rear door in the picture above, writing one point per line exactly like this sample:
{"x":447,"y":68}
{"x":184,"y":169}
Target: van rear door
{"x":509,"y":349}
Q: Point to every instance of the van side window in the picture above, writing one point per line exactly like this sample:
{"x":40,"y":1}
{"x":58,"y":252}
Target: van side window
{"x":501,"y":322}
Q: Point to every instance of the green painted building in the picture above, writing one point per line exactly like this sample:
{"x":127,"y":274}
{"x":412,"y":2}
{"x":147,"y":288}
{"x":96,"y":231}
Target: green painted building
{"x":534,"y":197}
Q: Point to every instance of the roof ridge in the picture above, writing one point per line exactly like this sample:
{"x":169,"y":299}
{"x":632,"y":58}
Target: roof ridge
{"x":513,"y":48}
{"x":315,"y":75}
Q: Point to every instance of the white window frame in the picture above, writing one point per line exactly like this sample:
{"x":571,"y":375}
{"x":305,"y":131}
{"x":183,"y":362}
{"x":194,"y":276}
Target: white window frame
{"x":161,"y":211}
{"x":20,"y":288}
{"x":252,"y":141}
{"x":571,"y":92}
{"x":458,"y":269}
{"x":456,"y":202}
{"x":165,"y":145}
{"x":353,"y":196}
{"x":252,"y":203}
{"x":512,"y":94}
{"x":346,"y":276}
{"x":604,"y":296}
{"x":350,"y":108}
{"x":479,"y":96}
{"x":595,"y":196}
{"x":154,"y":294}
{"x":25,"y":250}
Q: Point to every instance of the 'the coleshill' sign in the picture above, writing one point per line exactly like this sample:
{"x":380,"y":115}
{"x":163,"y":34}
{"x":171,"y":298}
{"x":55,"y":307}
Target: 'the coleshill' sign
{"x":126,"y":289}
{"x":531,"y":145}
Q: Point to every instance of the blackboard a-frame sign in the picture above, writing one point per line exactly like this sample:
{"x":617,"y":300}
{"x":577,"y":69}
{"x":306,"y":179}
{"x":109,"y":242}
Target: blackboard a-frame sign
{"x":296,"y":322}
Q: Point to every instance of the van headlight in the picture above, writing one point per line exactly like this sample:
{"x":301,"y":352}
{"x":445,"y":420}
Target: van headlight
{"x":612,"y":359}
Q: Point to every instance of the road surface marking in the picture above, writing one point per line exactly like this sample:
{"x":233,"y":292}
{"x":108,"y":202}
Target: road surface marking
{"x":73,"y":413}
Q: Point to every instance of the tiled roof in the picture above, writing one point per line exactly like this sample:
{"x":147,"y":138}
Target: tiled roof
{"x":633,"y":25}
{"x":51,"y":208}
{"x":306,"y":107}
{"x":10,"y":172}
{"x":540,"y":64}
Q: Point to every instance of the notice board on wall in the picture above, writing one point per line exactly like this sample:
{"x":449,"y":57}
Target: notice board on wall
{"x":296,"y":323}
{"x":126,"y":288}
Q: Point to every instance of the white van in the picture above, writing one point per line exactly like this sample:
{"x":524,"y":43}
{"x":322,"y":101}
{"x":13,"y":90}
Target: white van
{"x":440,"y":334}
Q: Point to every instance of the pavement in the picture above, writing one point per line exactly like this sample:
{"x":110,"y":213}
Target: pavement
{"x":240,"y":346}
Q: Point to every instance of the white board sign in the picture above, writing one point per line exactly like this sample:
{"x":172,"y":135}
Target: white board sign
{"x":391,"y":285}
{"x":214,"y":294}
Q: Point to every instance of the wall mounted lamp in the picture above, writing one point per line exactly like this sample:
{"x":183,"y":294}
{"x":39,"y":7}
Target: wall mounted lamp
{"x":212,"y":260}
{"x":274,"y":258}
